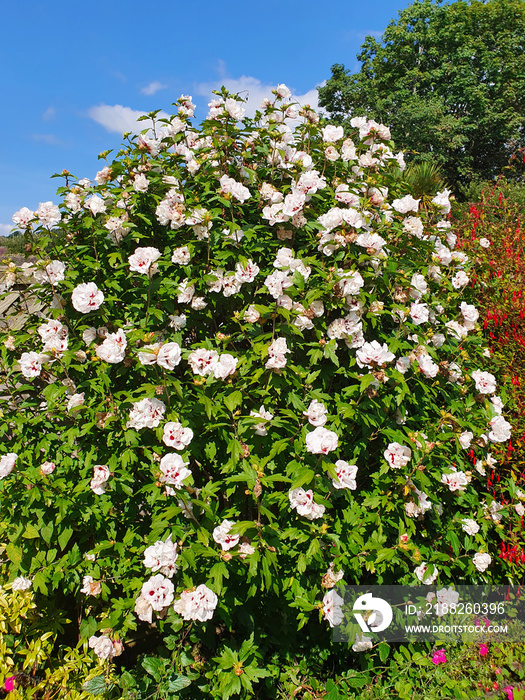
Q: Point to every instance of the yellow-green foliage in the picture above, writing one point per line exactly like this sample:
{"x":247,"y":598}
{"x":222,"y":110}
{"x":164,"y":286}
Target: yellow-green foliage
{"x":20,"y":652}
{"x":42,"y":668}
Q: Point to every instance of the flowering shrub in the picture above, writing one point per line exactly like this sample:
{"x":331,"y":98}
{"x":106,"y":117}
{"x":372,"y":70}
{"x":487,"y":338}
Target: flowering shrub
{"x":258,"y":371}
{"x":490,"y":230}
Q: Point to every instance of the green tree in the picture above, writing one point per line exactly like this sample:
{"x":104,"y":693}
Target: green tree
{"x":449,"y":80}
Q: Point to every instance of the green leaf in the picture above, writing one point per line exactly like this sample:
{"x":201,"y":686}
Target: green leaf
{"x":30,"y":532}
{"x":95,"y":686}
{"x":217,"y":572}
{"x":208,"y":405}
{"x":454,"y":541}
{"x":254,"y":673}
{"x":64,"y":537}
{"x":313,"y":549}
{"x":314,"y":355}
{"x":144,"y":218}
{"x":277,"y":447}
{"x":46,"y":531}
{"x":231,"y":685}
{"x":235,"y":449}
{"x":332,"y":693}
{"x":178,"y":683}
{"x":154,"y":666}
{"x":296,"y":401}
{"x":233,"y":400}
{"x":210,"y":450}
{"x":330,"y":352}
{"x":127,"y":681}
{"x":243,"y":526}
{"x":384,"y":651}
{"x":385,"y":555}
{"x":365,"y":381}
{"x":302,"y":476}
{"x":88,"y":627}
{"x":14,"y":554}
{"x":405,"y":652}
{"x":40,"y":581}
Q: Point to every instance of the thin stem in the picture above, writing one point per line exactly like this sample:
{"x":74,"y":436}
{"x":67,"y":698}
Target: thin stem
{"x":149,"y":298}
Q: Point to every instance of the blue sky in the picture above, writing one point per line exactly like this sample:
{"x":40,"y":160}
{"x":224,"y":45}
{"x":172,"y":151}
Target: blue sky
{"x":75,"y":75}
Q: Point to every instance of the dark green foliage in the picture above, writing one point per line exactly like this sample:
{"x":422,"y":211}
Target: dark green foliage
{"x":449,"y":80}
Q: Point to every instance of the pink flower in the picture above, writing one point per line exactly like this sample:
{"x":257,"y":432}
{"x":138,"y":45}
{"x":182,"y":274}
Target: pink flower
{"x":439,"y":657}
{"x":397,"y":455}
{"x":48,"y":214}
{"x":198,"y":604}
{"x":22,"y":219}
{"x":158,"y":591}
{"x":9,"y":684}
{"x":406,"y":204}
{"x":333,"y":608}
{"x":144,"y":260}
{"x":482,"y":621}
{"x":321,"y":441}
{"x":509,"y":690}
{"x":176,"y":435}
{"x":87,"y":297}
{"x":7,"y":464}
{"x":224,"y":365}
{"x":224,"y":537}
{"x":483,"y":650}
{"x":100,"y":478}
{"x":303,"y":502}
{"x":174,"y":470}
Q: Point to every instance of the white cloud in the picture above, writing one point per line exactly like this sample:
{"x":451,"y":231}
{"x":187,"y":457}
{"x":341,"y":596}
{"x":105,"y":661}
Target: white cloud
{"x":119,"y":119}
{"x":49,"y":114}
{"x":311,"y":97}
{"x":5,"y":229}
{"x":50,"y":139}
{"x":253,"y":90}
{"x":153,"y":87}
{"x":119,"y":76}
